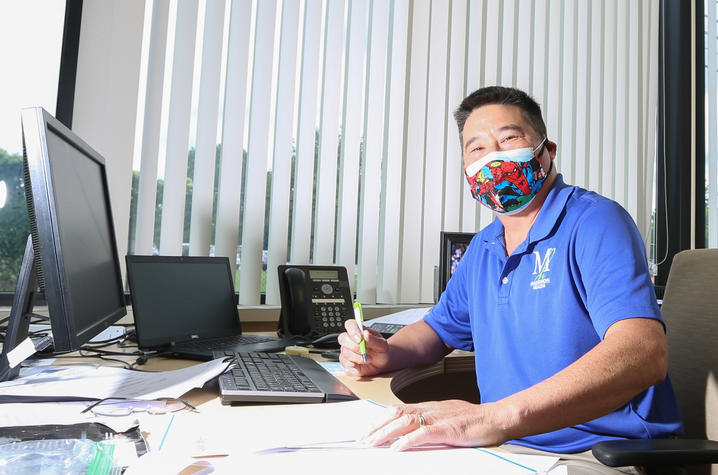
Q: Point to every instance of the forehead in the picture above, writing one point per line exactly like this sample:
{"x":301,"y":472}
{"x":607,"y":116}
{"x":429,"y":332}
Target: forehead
{"x":491,"y":118}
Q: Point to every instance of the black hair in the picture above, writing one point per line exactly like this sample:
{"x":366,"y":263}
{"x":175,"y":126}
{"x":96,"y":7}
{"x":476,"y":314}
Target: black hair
{"x":504,"y":96}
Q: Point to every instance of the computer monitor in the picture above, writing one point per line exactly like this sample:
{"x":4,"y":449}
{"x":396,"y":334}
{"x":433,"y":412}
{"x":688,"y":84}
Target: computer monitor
{"x":71,"y":253}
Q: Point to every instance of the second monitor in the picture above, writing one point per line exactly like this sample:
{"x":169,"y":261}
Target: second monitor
{"x":72,"y":254}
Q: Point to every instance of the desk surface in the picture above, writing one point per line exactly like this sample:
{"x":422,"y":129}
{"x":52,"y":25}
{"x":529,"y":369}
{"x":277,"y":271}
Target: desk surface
{"x":376,"y":388}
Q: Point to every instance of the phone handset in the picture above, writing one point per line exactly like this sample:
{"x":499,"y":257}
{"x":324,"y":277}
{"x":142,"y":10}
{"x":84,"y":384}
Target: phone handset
{"x":298,"y":310}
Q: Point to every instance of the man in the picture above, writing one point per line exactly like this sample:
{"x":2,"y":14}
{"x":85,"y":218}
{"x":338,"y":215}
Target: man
{"x":554,"y":297}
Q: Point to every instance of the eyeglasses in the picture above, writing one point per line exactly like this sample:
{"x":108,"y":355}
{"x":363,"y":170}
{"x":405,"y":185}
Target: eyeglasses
{"x":125,"y":407}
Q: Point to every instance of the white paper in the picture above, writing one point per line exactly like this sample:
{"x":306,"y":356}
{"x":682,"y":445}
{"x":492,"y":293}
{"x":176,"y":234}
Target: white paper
{"x":334,"y":367}
{"x":384,"y":460}
{"x":298,"y":438}
{"x":20,"y":353}
{"x":321,"y":438}
{"x":99,"y":382}
{"x":405,"y":317}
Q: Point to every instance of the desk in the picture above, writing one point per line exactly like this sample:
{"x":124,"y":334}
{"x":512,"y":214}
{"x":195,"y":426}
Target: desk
{"x":376,"y":388}
{"x":382,"y":389}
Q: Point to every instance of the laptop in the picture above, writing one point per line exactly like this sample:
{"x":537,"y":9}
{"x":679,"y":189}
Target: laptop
{"x":185,"y":306}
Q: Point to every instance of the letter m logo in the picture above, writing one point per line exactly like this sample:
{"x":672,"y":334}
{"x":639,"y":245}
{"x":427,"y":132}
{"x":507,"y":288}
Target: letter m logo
{"x":542,"y":265}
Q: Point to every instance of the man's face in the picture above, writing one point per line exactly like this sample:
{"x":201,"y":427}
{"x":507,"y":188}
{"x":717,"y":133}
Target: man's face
{"x":500,"y":127}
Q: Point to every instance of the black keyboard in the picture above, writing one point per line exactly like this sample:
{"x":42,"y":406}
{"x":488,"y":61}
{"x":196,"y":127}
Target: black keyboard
{"x":227,"y":341}
{"x":268,"y":372}
{"x":275,"y":377}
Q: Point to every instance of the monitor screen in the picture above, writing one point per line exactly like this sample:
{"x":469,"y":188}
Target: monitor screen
{"x":73,"y":254}
{"x":85,"y":233}
{"x":177,"y":298}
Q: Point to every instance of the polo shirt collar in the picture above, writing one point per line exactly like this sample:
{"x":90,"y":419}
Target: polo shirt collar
{"x":545,"y":221}
{"x":551,"y":209}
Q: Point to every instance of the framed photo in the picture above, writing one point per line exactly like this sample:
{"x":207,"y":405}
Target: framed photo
{"x":453,"y":247}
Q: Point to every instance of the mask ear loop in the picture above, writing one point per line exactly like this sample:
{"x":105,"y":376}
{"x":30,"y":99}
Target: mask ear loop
{"x":542,"y":146}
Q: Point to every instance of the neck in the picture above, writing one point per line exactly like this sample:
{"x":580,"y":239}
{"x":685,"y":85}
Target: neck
{"x":517,"y":226}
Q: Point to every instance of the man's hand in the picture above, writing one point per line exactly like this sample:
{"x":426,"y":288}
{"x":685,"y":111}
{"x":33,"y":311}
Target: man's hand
{"x":413,"y":345}
{"x":453,"y":422}
{"x":377,"y":351}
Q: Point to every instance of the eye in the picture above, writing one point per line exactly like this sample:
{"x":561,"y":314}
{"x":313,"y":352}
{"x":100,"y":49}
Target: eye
{"x":509,"y":138}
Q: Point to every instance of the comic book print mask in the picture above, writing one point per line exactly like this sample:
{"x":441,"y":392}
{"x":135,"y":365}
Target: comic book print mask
{"x":506,"y":181}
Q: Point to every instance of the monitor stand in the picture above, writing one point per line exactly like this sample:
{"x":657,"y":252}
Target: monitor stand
{"x":21,"y":312}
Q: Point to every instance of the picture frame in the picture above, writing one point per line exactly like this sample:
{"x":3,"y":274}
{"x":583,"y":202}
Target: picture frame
{"x":453,"y":247}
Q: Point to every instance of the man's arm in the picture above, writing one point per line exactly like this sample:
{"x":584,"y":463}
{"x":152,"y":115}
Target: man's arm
{"x":413,"y":345}
{"x":631,"y":358}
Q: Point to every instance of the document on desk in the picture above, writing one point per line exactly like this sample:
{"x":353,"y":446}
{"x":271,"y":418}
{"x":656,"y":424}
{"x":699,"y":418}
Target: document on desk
{"x":317,"y":438}
{"x":98,"y":382}
{"x":404,"y":317}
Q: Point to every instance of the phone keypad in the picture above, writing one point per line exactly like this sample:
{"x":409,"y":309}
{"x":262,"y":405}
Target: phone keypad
{"x":329,"y":306}
{"x":331,"y":316}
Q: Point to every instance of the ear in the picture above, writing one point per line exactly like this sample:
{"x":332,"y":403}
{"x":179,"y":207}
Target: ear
{"x":552,"y":149}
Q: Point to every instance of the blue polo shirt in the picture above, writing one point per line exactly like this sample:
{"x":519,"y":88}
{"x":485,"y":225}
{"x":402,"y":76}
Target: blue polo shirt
{"x":527,"y":316}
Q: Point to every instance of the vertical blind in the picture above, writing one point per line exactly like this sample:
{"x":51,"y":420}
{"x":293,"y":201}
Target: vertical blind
{"x":711,"y":135}
{"x":334,"y":123}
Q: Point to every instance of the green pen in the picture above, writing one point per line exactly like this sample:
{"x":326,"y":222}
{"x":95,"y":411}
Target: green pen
{"x":359,"y":317}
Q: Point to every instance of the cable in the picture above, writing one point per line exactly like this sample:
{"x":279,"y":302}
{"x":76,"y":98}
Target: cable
{"x":325,"y":338}
{"x":104,"y":358}
{"x":38,"y":318}
{"x":109,"y":352}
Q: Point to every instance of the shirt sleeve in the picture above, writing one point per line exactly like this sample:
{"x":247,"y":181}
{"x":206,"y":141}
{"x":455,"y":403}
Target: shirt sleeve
{"x":611,"y":260}
{"x":449,"y":318}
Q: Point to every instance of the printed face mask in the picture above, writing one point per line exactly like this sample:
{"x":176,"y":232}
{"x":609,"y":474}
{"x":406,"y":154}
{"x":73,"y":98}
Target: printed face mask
{"x":506,"y":181}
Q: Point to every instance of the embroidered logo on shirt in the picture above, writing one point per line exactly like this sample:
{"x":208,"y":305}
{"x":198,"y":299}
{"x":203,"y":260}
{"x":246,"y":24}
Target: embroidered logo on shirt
{"x":541,"y":267}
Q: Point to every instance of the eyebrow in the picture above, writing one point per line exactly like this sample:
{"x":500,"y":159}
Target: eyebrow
{"x":503,"y":128}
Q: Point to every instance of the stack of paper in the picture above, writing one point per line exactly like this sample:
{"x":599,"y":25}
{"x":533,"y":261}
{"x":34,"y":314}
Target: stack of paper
{"x":98,"y":382}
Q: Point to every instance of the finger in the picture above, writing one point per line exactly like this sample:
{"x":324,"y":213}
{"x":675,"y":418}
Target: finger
{"x":394,"y":412}
{"x":421,"y":436}
{"x":350,"y":355}
{"x":374,"y":344}
{"x":354,"y":364}
{"x":350,"y":369}
{"x":399,"y":427}
{"x":357,"y":369}
{"x":353,"y":330}
{"x":349,"y":347}
{"x":383,"y":418}
{"x":345,"y":340}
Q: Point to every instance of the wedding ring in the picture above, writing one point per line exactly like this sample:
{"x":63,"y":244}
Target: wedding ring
{"x":422,"y":421}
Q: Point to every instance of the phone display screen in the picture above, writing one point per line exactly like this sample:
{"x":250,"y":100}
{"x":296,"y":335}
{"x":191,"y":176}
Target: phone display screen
{"x":315,"y":274}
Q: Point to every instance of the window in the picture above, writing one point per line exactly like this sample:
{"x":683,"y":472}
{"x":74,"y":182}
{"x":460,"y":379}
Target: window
{"x":711,"y":124}
{"x":30,"y":56}
{"x":321,"y":131}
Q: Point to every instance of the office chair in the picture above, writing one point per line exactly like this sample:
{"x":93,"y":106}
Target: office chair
{"x":690,"y":310}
